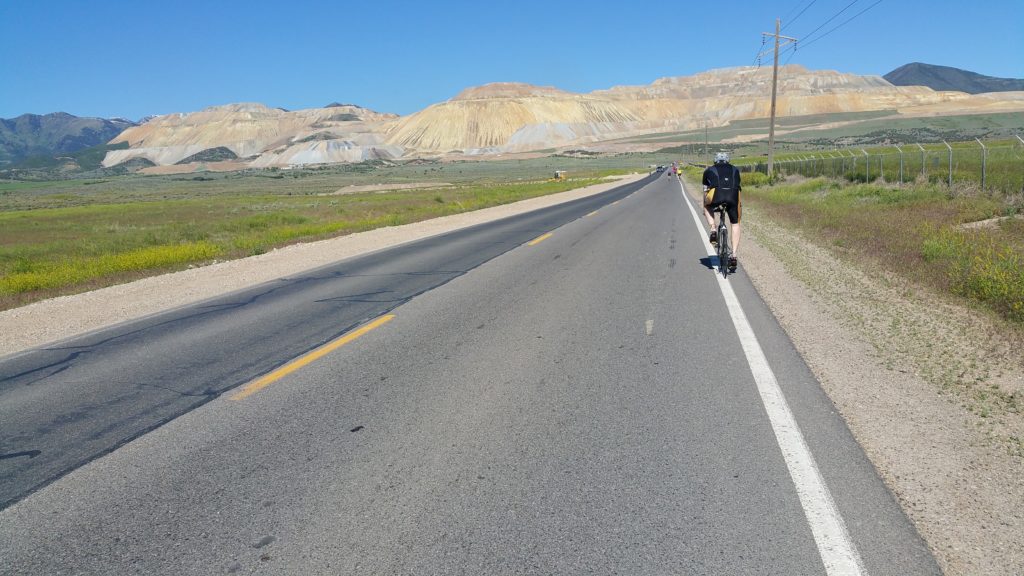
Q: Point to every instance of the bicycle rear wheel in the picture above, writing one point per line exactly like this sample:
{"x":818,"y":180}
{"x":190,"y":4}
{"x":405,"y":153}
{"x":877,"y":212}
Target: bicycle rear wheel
{"x":723,"y":251}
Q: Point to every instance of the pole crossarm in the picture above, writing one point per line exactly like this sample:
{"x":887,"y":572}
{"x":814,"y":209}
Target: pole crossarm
{"x":784,"y":41}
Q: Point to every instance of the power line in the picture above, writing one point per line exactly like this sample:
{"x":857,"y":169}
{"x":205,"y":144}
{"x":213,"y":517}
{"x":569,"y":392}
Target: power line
{"x":834,"y":16}
{"x":793,"y":9}
{"x":791,"y":53}
{"x":845,"y":22}
{"x":795,"y":18}
{"x":760,"y":51}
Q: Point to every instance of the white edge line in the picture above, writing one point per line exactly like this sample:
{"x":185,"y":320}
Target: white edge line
{"x":837,"y":550}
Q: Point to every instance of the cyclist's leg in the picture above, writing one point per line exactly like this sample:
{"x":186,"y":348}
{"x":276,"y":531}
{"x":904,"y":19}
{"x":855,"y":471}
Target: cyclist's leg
{"x":707,"y":216}
{"x":734,"y":231}
{"x":712,"y":233}
{"x":735,"y":212}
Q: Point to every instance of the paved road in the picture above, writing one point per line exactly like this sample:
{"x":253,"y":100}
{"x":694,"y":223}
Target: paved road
{"x":582,"y":403}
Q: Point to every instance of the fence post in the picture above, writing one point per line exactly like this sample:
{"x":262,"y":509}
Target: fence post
{"x":867,"y":166}
{"x":924,"y":163}
{"x":984,"y":160}
{"x":1022,"y":185}
{"x":950,"y":162}
{"x":901,"y":165}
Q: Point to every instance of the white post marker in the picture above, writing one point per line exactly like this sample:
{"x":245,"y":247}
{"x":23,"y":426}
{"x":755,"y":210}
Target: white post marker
{"x":837,"y":550}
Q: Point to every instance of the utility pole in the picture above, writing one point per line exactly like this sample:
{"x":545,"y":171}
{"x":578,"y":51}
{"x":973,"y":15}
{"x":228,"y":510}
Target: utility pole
{"x":705,"y":139}
{"x":775,"y":86}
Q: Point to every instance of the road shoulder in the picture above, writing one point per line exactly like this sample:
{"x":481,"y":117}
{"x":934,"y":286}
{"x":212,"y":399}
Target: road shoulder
{"x":881,"y":350}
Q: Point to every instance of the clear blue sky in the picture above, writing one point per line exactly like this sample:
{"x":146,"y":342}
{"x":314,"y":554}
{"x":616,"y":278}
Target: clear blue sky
{"x":118,"y":58}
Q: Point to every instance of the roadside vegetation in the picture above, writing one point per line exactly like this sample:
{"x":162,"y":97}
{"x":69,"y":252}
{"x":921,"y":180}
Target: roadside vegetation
{"x":66,"y":236}
{"x":49,"y":251}
{"x":961,"y":240}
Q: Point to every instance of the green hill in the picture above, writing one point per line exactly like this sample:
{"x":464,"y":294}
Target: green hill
{"x":57,"y":134}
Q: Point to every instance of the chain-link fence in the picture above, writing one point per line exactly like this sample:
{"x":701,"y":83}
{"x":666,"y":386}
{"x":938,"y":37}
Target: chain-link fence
{"x":996,"y":165}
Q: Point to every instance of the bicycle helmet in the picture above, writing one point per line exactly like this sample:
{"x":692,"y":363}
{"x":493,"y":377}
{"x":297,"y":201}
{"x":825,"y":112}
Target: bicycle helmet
{"x":721,"y":157}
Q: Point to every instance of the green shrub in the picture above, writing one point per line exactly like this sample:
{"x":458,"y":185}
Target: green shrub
{"x":754,"y":179}
{"x":69,"y":272}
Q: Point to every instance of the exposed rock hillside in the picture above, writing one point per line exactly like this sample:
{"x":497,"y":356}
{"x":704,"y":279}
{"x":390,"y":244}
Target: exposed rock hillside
{"x":516,"y":117}
{"x":513,"y":117}
{"x":253,"y":130}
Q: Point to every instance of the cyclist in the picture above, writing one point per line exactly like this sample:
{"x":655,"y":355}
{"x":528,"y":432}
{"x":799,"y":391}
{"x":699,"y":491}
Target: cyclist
{"x":722,"y":186}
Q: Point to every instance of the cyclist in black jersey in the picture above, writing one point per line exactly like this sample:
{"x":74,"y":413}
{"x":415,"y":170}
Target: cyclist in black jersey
{"x":722,"y":186}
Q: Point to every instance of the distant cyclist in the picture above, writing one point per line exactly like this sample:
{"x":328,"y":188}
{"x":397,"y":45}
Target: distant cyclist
{"x":722,"y":187}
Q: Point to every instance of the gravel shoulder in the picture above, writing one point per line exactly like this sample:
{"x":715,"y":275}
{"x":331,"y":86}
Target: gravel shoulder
{"x":930,"y":388}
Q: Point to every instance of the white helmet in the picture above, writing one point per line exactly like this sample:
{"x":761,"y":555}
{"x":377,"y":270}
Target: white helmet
{"x":721,"y":157}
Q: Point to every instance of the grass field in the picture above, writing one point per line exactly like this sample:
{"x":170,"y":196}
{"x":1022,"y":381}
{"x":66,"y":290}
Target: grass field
{"x":915,"y":232}
{"x":59,"y":237}
{"x":54,"y":250}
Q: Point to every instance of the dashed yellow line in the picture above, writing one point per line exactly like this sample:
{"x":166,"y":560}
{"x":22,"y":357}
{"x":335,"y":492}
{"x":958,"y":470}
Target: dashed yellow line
{"x":264,"y":381}
{"x":539,"y":239}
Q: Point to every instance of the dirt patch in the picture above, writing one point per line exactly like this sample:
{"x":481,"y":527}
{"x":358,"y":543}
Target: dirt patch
{"x":354,"y":189}
{"x":989,"y":224}
{"x":931,"y":388}
{"x":219,"y":166}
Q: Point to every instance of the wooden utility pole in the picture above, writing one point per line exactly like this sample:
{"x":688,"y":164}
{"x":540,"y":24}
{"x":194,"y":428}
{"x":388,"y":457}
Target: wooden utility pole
{"x":775,"y":86}
{"x":705,"y":139}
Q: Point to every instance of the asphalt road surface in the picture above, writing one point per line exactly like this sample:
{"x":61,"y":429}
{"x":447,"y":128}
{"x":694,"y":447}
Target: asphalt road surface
{"x":571,"y":390}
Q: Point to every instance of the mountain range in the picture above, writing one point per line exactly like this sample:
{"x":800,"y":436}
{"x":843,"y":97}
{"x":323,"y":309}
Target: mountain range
{"x":948,"y":78}
{"x":513,"y":118}
{"x":487,"y":121}
{"x":54,"y":134}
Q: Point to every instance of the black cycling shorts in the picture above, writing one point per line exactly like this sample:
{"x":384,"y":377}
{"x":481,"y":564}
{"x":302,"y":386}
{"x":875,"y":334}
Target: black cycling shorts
{"x":732,"y":209}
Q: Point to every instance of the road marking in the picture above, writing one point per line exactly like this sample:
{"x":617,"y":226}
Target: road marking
{"x":837,"y":550}
{"x":539,"y":239}
{"x":592,"y":213}
{"x":649,"y":327}
{"x":264,"y":381}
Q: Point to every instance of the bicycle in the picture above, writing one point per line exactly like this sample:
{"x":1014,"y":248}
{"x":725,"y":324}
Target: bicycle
{"x":724,"y":250}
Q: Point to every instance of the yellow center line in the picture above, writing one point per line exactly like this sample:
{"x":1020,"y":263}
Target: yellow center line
{"x":264,"y":381}
{"x":539,"y":239}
